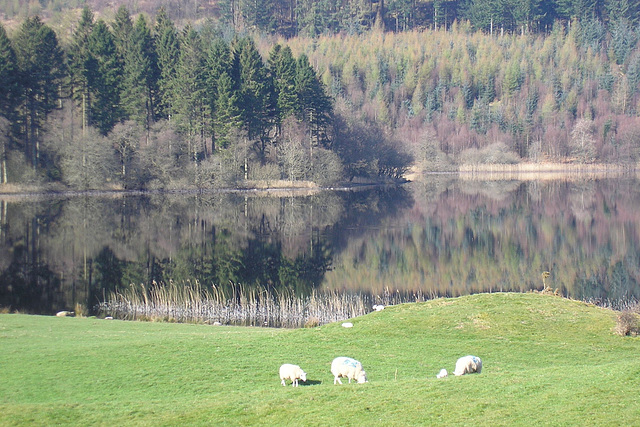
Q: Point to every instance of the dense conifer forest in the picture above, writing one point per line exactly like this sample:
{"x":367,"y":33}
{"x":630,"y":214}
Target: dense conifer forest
{"x":174,"y":95}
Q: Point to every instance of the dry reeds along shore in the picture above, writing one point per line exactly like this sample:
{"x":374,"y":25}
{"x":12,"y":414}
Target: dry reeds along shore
{"x":190,"y":302}
{"x":545,"y":171}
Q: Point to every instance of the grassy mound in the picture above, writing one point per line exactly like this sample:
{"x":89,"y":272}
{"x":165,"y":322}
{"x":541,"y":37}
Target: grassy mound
{"x":547,"y":360}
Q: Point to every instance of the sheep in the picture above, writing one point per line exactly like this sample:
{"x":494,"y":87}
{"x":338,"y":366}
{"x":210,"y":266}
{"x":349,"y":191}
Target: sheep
{"x":347,"y":368}
{"x":468,"y":365}
{"x":65,"y":314}
{"x":443,"y":373}
{"x":377,"y":307}
{"x":293,"y":373}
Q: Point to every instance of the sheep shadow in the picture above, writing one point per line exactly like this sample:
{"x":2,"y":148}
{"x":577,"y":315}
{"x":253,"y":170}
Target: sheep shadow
{"x":309,"y":383}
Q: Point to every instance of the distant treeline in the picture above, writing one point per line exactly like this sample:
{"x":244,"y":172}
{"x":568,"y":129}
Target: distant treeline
{"x":147,"y":105}
{"x":465,"y":97}
{"x":315,"y":17}
{"x":150,"y":104}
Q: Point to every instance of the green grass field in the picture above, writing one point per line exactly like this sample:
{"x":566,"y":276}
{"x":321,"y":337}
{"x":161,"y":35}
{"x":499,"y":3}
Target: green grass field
{"x":547,"y":361}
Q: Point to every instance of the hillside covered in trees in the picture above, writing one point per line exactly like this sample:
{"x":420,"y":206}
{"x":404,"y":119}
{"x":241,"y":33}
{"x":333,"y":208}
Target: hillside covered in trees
{"x":325,"y":91}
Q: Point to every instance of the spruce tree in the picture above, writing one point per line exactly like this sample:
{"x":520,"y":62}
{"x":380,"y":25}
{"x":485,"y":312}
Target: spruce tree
{"x":8,"y":77}
{"x":122,"y":28}
{"x":140,"y":75}
{"x":8,"y":97}
{"x":41,"y":67}
{"x":256,"y":95}
{"x":190,"y":103}
{"x":315,"y":106}
{"x":105,"y":78}
{"x":168,"y":52}
{"x":79,"y":66}
{"x":282,"y":66}
{"x":219,"y":65}
{"x":227,"y":114}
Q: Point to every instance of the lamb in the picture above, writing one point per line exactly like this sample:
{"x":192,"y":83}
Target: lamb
{"x":468,"y":365}
{"x":293,"y":373}
{"x":347,"y":368}
{"x":65,"y":313}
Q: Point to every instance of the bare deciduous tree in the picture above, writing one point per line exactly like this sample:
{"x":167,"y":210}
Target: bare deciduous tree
{"x":583,"y":144}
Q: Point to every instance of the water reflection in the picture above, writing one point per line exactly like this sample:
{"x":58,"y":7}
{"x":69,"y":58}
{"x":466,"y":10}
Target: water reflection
{"x":443,"y":237}
{"x":463,"y":237}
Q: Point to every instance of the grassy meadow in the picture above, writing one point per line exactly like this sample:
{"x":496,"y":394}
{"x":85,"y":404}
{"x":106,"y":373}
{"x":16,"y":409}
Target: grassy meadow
{"x":547,"y":360}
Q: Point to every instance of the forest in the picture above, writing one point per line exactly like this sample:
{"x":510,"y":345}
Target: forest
{"x":212,"y":95}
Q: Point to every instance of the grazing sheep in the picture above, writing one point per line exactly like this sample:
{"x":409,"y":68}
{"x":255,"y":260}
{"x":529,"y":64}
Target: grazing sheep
{"x":378,"y":307}
{"x":293,"y":373}
{"x":347,"y":368}
{"x":65,"y":313}
{"x":443,"y":373}
{"x":468,"y":365}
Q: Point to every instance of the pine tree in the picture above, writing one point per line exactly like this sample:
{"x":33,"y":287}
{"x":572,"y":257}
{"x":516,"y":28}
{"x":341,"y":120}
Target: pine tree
{"x":227,"y":114}
{"x":256,"y":95}
{"x":282,"y":66}
{"x":168,"y":52}
{"x":79,"y":65}
{"x":8,"y":77}
{"x":315,"y":105}
{"x":140,"y":75}
{"x":190,"y":102}
{"x":122,"y":29}
{"x":40,"y":63}
{"x":105,"y":78}
{"x":219,"y":66}
{"x":8,"y":97}
{"x":258,"y":14}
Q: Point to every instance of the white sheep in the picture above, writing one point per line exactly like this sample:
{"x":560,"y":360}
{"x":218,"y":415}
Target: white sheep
{"x":443,"y":373}
{"x":293,"y":373}
{"x":347,"y":367}
{"x":468,"y":365}
{"x":65,"y":313}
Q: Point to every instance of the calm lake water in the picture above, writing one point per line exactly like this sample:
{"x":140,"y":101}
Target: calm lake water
{"x":443,"y":237}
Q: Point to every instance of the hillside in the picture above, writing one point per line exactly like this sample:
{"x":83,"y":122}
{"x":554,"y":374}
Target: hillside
{"x":546,"y":360}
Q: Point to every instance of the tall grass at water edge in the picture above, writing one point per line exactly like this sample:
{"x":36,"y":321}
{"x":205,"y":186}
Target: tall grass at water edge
{"x":190,"y":302}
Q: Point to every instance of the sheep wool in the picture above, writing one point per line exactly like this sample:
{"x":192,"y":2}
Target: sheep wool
{"x":468,"y":365}
{"x":293,"y":373}
{"x":347,"y":367}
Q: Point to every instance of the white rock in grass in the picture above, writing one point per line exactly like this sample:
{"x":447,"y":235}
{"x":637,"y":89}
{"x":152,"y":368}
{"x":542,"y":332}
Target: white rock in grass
{"x":347,"y":325}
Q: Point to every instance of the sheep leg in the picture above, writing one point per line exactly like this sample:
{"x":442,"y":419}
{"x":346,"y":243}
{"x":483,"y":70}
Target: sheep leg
{"x":336,"y":379}
{"x":295,"y":383}
{"x":283,"y":383}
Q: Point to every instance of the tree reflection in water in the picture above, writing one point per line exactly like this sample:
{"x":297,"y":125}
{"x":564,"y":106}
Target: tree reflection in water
{"x":444,"y":237}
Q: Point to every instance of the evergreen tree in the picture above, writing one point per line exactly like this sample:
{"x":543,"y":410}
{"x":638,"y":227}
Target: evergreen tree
{"x":190,"y":103}
{"x":282,"y":66}
{"x":256,"y":95}
{"x":258,"y":14}
{"x":219,"y":66}
{"x":227,"y":114}
{"x":40,"y":63}
{"x":105,"y":78}
{"x":140,"y":75}
{"x":315,"y":105}
{"x":122,"y":29}
{"x":8,"y":97}
{"x":168,"y":52}
{"x":79,"y":65}
{"x":8,"y":77}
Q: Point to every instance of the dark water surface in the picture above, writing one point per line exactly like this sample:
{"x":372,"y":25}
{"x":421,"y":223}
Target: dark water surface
{"x":445,"y":237}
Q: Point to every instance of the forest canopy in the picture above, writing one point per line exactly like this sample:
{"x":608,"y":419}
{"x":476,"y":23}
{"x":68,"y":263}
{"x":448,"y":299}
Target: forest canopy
{"x":314,"y":91}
